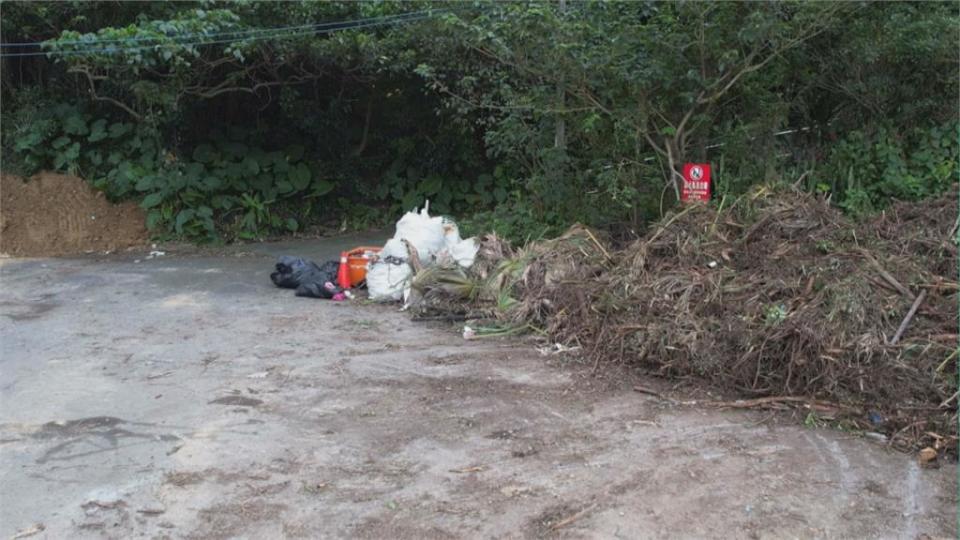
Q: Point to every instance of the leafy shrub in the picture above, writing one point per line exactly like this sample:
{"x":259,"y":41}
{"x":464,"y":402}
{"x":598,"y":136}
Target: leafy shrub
{"x":225,"y":183}
{"x":867,"y":169}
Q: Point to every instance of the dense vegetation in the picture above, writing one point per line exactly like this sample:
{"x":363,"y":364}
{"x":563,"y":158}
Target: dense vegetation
{"x":243,"y":119}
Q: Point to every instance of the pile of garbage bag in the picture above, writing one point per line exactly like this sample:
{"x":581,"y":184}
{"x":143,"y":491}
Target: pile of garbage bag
{"x":420,"y":241}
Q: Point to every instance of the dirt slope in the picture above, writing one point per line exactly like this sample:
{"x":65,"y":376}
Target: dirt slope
{"x":54,"y":214}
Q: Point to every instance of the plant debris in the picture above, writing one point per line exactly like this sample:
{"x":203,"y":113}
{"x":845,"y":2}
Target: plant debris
{"x":776,"y":296}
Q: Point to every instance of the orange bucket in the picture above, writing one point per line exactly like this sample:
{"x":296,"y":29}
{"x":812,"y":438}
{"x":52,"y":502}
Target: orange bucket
{"x":357,"y":259}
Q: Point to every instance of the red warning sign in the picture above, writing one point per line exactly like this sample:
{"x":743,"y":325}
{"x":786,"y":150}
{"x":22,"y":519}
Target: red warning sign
{"x":696,"y":182}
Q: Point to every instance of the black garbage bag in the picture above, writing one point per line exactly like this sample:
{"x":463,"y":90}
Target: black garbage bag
{"x":307,"y":277}
{"x":326,"y":290}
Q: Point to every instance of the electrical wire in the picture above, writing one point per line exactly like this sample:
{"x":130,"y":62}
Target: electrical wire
{"x":275,"y":33}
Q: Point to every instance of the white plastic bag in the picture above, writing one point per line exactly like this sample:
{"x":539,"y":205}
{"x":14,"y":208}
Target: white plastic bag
{"x":422,"y":231}
{"x":433,"y":237}
{"x":386,"y":281}
{"x":465,"y":252}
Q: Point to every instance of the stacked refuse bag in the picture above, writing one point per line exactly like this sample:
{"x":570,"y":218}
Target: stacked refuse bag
{"x":435,"y":240}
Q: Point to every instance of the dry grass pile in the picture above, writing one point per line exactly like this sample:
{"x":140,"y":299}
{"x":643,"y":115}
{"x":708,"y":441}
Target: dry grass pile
{"x":776,"y":294}
{"x":540,"y":286}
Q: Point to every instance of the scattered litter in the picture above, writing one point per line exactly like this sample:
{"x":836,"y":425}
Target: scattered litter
{"x":259,"y":375}
{"x":154,"y":254}
{"x":556,"y":348}
{"x":469,"y":333}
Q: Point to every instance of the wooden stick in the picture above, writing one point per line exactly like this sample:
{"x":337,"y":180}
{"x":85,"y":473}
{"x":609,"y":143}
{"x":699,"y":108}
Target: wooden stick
{"x":909,"y":317}
{"x":667,"y":224}
{"x":758,"y":402}
{"x":413,"y":257}
{"x":886,"y":275}
{"x":599,"y":245}
{"x":648,"y":391}
{"x":566,"y":521}
{"x":949,"y":399}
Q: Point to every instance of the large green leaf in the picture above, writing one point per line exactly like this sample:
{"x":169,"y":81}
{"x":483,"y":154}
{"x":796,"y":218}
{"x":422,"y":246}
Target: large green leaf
{"x":154,"y":217}
{"x":182,"y":218}
{"x":431,"y":185}
{"x":146,"y":183}
{"x":321,"y":188}
{"x":60,"y":142}
{"x":119,"y":129}
{"x":204,"y":153}
{"x":211,"y":183}
{"x":250,"y":166}
{"x":98,"y":131}
{"x":75,"y":125}
{"x":299,"y":177}
{"x":152,"y":200}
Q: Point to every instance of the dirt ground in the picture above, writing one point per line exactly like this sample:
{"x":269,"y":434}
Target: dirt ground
{"x":55,"y":214}
{"x":185,"y":397}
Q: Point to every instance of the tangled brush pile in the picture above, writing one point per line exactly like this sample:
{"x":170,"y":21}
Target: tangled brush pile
{"x":775,"y":294}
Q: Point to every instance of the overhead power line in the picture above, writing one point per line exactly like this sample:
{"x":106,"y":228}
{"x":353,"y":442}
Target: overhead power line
{"x":249,"y":35}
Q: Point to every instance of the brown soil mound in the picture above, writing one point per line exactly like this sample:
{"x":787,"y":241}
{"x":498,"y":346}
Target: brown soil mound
{"x":53,"y":214}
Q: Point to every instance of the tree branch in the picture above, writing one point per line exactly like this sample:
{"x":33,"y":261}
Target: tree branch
{"x":97,"y":97}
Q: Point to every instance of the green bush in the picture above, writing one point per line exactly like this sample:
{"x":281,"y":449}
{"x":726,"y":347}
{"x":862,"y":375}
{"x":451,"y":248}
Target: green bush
{"x":865,"y":170}
{"x":225,"y":183}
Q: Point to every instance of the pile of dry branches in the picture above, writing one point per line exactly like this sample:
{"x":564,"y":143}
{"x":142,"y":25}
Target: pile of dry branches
{"x":774,"y":294}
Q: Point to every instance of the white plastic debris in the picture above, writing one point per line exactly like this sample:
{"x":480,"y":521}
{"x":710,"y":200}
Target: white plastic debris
{"x":463,"y":252}
{"x":469,"y":333}
{"x":387,"y":280}
{"x":556,"y":348}
{"x":434,"y":238}
{"x":425,"y":233}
